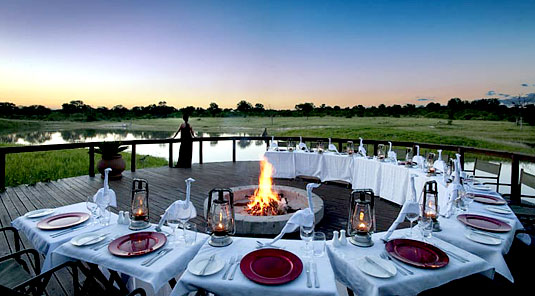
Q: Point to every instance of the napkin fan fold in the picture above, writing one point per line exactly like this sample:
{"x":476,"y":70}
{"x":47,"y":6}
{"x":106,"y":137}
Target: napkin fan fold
{"x":302,"y":146}
{"x":391,"y":154}
{"x":362,"y":150}
{"x":410,"y":206}
{"x":274,"y":145}
{"x":440,"y":165}
{"x":332,"y":147}
{"x":105,"y":196}
{"x":180,"y":209}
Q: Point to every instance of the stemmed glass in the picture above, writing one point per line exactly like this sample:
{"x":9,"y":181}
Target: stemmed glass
{"x":412,"y":217}
{"x":430,"y":159}
{"x":307,"y":233}
{"x":408,"y":154}
{"x":92,"y":208}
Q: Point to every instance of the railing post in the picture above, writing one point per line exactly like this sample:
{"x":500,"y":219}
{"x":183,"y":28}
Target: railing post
{"x":2,"y":172}
{"x":375,"y":148}
{"x":133,"y":159}
{"x":515,"y":185}
{"x":339,"y":146}
{"x":460,"y":150}
{"x":91,"y":161}
{"x":233,"y":150}
{"x":200,"y":151}
{"x":170,"y":154}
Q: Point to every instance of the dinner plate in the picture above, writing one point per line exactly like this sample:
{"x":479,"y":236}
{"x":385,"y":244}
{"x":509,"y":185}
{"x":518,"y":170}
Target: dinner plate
{"x":484,"y":223}
{"x":417,"y":253}
{"x":271,"y":266}
{"x":87,"y":239}
{"x":482,"y":238}
{"x":197,"y":265}
{"x":137,"y":243}
{"x":498,"y":210}
{"x":375,"y":271}
{"x":481,"y":187}
{"x":39,"y":213}
{"x":62,"y":221}
{"x":489,"y":199}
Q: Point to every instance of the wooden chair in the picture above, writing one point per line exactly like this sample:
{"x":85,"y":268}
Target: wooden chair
{"x":488,"y":167}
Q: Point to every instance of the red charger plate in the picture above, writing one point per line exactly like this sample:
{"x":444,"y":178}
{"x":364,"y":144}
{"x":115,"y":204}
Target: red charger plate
{"x":62,"y":221}
{"x":137,"y":243}
{"x":484,"y":223}
{"x":417,"y":253}
{"x":271,"y":266}
{"x":489,"y":199}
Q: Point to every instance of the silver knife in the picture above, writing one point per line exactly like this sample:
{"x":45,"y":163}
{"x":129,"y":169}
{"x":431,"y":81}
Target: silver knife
{"x":309,"y":280}
{"x":166,"y":251}
{"x":207,"y":264}
{"x":316,"y":280}
{"x":371,"y":261}
{"x":238,"y":261}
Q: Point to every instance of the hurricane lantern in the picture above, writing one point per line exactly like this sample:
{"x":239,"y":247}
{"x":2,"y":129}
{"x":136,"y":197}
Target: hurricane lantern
{"x":350,"y":147}
{"x":430,"y":204}
{"x":139,"y":214}
{"x":220,"y":217}
{"x":361,"y":224}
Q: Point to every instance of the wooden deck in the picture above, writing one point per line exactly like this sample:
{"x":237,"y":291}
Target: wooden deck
{"x":167,"y":184}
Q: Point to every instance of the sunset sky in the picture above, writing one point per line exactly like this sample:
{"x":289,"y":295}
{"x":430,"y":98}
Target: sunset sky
{"x":278,"y":53}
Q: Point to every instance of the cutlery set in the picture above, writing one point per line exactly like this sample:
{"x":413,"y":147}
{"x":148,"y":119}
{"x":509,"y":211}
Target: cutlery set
{"x":312,"y":267}
{"x":66,"y":231}
{"x":158,"y":256}
{"x":403,"y":270}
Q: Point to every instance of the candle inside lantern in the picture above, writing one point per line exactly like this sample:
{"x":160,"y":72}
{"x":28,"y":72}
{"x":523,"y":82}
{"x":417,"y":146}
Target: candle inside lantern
{"x":362,"y":226}
{"x":220,"y":227}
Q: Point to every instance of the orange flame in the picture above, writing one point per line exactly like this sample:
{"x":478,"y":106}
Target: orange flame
{"x":264,"y":201}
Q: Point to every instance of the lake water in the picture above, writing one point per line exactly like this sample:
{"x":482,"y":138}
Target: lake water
{"x":215,"y":151}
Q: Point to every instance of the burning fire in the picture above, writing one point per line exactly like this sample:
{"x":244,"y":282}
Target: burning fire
{"x":264,"y":201}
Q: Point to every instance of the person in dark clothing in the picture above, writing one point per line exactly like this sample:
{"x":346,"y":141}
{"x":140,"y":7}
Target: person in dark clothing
{"x":186,"y":146}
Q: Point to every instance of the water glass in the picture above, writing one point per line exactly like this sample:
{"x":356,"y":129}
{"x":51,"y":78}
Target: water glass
{"x":468,"y":198}
{"x":105,"y":216}
{"x":190,"y":233}
{"x":318,"y":244}
{"x":426,"y":227}
{"x":307,"y":234}
{"x":412,"y":217}
{"x":92,"y":208}
{"x":173,"y":224}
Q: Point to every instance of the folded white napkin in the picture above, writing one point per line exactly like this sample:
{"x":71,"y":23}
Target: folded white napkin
{"x":362,"y":150}
{"x":408,"y":207}
{"x":453,"y":190}
{"x":274,"y":145}
{"x":302,"y":146}
{"x":105,"y":196}
{"x":440,"y":165}
{"x":180,"y":209}
{"x":304,"y":217}
{"x":332,"y":147}
{"x":458,"y":159}
{"x":391,"y":154}
{"x":417,"y":158}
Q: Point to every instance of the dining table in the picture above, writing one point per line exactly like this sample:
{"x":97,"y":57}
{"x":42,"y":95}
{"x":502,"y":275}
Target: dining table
{"x":346,"y":262}
{"x":241,"y":285}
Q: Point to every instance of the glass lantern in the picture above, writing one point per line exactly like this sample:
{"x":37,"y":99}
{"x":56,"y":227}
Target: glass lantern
{"x":139,"y":214}
{"x":220,"y":217}
{"x":430,"y":209}
{"x":350,"y":147}
{"x":381,"y":151}
{"x":361,"y":224}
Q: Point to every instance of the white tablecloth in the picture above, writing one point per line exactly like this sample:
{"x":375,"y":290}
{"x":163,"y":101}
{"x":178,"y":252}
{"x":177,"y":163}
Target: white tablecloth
{"x":243,"y":286}
{"x":156,"y":275}
{"x":283,"y":162}
{"x":344,"y":264}
{"x":336,"y":168}
{"x":41,"y":239}
{"x":308,"y":164}
{"x":453,"y":232}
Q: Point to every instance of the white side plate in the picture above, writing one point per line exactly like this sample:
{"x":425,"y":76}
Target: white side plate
{"x":197,"y":265}
{"x":371,"y":269}
{"x":87,"y":239}
{"x":498,"y":210}
{"x":39,"y":213}
{"x":482,"y":239}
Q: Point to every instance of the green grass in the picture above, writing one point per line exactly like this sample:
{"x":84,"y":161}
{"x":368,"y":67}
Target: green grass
{"x":33,"y":167}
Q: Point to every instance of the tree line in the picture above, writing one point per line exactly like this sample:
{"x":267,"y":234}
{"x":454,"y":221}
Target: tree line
{"x":77,"y":110}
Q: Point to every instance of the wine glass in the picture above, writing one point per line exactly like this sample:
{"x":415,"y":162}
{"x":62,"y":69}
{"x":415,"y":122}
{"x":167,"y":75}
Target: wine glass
{"x":408,"y":154}
{"x":412,"y":217}
{"x":92,"y":208}
{"x":307,"y":233}
{"x":173,"y":223}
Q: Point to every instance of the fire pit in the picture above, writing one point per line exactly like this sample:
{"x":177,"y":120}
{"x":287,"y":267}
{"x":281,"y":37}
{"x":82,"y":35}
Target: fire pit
{"x":265,"y":208}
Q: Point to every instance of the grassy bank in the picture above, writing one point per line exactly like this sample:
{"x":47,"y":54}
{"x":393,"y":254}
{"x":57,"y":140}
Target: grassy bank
{"x":30,"y":168}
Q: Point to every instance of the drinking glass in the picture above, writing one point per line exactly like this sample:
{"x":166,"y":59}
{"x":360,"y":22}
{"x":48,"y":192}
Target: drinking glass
{"x":318,"y":244}
{"x":105,"y":215}
{"x":173,"y":224}
{"x":381,"y":151}
{"x":408,"y":154}
{"x":426,"y":227}
{"x":468,"y":198}
{"x":430,"y":159}
{"x":190,"y":233}
{"x":92,"y":208}
{"x":412,"y":217}
{"x":307,"y":233}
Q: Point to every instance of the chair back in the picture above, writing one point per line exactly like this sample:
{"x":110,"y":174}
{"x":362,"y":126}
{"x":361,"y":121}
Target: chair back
{"x":527,"y":179}
{"x":488,"y":167}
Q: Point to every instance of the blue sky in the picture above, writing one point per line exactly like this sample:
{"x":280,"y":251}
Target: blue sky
{"x":278,"y":53}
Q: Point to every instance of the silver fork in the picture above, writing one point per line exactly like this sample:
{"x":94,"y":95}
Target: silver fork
{"x":157,"y":257}
{"x":238,"y":260}
{"x":399,"y":267}
{"x":230,"y":263}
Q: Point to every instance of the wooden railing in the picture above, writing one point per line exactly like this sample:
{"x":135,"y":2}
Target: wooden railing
{"x":515,"y":158}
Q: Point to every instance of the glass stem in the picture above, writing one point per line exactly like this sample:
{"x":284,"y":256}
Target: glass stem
{"x":410,"y":231}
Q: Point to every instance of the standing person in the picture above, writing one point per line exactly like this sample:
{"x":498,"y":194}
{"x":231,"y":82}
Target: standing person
{"x":186,"y":145}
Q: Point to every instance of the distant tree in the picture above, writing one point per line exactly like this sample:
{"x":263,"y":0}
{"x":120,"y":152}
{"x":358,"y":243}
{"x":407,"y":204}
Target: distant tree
{"x":305,"y":108}
{"x":214,"y":109}
{"x":454,"y":106}
{"x":259,"y":107}
{"x":76,"y":106}
{"x":188,"y":110}
{"x":244,"y":107}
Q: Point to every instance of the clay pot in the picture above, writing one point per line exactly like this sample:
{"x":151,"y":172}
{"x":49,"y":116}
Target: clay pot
{"x":117,"y":165}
